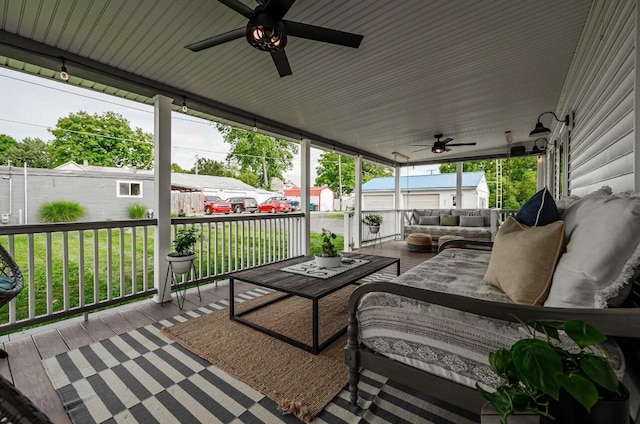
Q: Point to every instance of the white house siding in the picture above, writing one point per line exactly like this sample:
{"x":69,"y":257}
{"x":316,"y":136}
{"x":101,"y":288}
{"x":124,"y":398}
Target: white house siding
{"x":377,"y":201}
{"x":600,"y":88}
{"x":326,"y":200}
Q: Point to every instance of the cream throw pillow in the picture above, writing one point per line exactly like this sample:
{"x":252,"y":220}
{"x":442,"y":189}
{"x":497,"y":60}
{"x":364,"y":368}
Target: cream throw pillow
{"x":523,"y":260}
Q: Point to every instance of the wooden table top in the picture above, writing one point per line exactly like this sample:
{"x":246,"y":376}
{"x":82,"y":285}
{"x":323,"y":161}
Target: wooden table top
{"x":272,"y":276}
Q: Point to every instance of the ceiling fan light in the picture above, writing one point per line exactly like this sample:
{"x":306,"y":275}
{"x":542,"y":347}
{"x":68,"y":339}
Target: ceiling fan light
{"x":438,"y":147}
{"x":266,"y":36}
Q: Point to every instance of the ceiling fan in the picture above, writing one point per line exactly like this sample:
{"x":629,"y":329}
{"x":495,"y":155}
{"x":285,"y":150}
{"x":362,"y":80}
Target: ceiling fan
{"x":268,"y":31}
{"x":441,"y":146}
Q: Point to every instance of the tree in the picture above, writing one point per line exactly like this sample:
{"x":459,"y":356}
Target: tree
{"x":212,"y":167}
{"x":258,"y":154}
{"x":35,"y":152}
{"x":103,"y":140}
{"x":332,"y":166}
{"x":177,"y":168}
{"x":6,"y":142}
{"x":519,"y":178}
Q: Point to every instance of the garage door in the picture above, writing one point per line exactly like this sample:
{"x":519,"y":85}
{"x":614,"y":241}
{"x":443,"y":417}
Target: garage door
{"x":374,"y":202}
{"x":420,"y":201}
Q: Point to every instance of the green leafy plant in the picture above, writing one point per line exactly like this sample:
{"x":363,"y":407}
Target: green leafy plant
{"x":372,"y":219}
{"x":61,"y":211}
{"x":535,"y":370}
{"x":185,"y":240}
{"x":328,"y":244}
{"x":137,"y":211}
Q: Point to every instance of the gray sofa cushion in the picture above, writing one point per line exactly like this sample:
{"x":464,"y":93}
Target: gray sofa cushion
{"x":429,"y":220}
{"x":472,"y":221}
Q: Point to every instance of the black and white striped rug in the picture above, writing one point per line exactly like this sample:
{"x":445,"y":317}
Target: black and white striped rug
{"x":143,"y":377}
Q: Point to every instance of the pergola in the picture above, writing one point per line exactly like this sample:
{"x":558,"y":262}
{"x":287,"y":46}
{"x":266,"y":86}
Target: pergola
{"x":467,"y":69}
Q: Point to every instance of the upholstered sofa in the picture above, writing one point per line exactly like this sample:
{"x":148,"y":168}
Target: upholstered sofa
{"x":433,"y":327}
{"x":472,"y":224}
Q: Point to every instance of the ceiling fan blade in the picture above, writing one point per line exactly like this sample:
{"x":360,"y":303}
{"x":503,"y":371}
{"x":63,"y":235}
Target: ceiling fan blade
{"x":420,"y":145}
{"x":239,"y":7}
{"x":447,"y":140}
{"x":447,"y":149}
{"x":462,"y":144}
{"x":216,"y":40}
{"x":419,"y":150}
{"x":282,"y":63}
{"x":326,"y":35}
{"x":278,"y":8}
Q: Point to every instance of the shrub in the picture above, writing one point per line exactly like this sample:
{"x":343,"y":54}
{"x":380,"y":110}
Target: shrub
{"x":137,"y":211}
{"x":61,"y":211}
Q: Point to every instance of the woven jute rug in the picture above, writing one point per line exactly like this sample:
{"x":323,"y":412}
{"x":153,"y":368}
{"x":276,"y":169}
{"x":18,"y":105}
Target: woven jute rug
{"x":300,"y":383}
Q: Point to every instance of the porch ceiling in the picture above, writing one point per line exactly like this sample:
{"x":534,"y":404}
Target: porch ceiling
{"x":468,"y":69}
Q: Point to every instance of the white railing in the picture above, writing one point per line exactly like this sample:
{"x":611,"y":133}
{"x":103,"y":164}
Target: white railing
{"x":73,"y":268}
{"x":388,"y":228}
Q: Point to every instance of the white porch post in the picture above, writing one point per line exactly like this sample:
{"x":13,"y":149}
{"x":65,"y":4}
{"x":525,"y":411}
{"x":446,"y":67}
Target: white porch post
{"x":398,"y":198}
{"x":162,"y":193}
{"x":305,"y":198}
{"x":357,"y":210}
{"x":458,"y":185}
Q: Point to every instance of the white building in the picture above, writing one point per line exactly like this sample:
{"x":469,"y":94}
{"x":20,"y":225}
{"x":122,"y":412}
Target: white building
{"x":321,"y":197}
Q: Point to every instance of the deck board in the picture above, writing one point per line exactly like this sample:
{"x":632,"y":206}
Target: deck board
{"x":50,"y":344}
{"x":75,"y":336}
{"x":118,"y":323}
{"x":98,"y":329}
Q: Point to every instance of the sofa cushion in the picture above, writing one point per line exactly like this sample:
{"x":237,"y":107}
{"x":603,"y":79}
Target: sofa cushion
{"x":429,"y":220}
{"x":472,"y":221}
{"x":449,"y":220}
{"x":437,"y":231}
{"x":603,"y":251}
{"x":539,"y":210}
{"x":417,"y":213}
{"x":523,"y":260}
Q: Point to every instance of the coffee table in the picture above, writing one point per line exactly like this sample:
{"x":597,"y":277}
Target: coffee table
{"x":271,"y":276}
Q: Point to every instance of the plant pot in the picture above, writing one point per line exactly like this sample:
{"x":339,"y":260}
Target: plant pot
{"x":180,"y":264}
{"x":328,"y":261}
{"x":569,"y":411}
{"x":374,"y":229}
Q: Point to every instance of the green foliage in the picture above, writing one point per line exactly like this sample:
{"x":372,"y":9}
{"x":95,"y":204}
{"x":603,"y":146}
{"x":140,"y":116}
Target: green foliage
{"x":185,"y":240}
{"x":332,"y":166}
{"x":212,"y":167}
{"x":103,"y":140}
{"x":137,"y":211}
{"x":519,"y":178}
{"x":6,"y":142}
{"x":177,"y":168}
{"x":329,"y":248}
{"x":534,"y":369}
{"x":61,"y":211}
{"x":372,"y":219}
{"x":35,"y":152}
{"x":258,"y":155}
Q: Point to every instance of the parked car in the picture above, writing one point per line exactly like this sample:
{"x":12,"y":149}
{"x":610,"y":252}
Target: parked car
{"x":214,"y":204}
{"x":295,"y":205}
{"x":275,"y":204}
{"x":241,"y":204}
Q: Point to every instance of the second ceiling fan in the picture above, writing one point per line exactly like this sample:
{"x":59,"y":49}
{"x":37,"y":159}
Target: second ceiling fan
{"x":268,"y":31}
{"x":441,"y":146}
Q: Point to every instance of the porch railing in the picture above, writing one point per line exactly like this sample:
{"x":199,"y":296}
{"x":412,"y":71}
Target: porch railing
{"x":74,"y":268}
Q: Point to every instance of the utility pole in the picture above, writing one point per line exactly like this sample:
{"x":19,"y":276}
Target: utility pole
{"x":196,"y":164}
{"x":340,"y":179}
{"x":264,"y":170}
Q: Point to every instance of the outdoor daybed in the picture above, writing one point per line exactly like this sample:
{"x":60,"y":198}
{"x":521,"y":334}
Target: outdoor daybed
{"x":472,"y":224}
{"x":433,"y":327}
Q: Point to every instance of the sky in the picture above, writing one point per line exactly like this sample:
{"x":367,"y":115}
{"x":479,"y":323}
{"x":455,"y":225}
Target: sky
{"x":31,"y":105}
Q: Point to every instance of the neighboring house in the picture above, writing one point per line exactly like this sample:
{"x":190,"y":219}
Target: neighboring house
{"x":106,"y":193}
{"x":322,"y":197}
{"x":426,"y":191}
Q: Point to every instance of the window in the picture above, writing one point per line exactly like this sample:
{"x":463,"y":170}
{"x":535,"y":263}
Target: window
{"x":129,"y":189}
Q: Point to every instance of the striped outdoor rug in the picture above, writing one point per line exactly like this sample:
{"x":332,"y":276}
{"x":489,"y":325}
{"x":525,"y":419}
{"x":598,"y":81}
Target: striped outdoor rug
{"x":144,"y":377}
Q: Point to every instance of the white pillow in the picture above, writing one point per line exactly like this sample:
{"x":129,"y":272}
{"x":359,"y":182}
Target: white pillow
{"x":602,"y":253}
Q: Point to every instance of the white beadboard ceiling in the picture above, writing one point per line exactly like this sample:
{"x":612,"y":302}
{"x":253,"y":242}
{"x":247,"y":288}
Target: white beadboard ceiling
{"x":468,"y":69}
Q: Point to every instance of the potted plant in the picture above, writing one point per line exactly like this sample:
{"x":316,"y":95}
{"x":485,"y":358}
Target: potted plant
{"x":373,"y":221}
{"x":562,"y":386}
{"x":329,"y":258}
{"x":184,"y":244}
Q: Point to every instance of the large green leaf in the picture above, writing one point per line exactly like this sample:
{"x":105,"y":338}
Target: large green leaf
{"x":499,"y":361}
{"x":600,"y":371}
{"x":537,"y":364}
{"x":549,"y":328}
{"x":583,"y":334}
{"x":580,"y":388}
{"x":500,"y":400}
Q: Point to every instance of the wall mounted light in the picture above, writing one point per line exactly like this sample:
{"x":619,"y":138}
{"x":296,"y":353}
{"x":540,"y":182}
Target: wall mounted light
{"x":185,"y":109}
{"x":535,"y":150}
{"x":255,"y":125}
{"x":541,"y":131}
{"x":64,"y":75}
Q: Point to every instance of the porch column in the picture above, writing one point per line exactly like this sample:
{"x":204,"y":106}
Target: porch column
{"x":398,"y":202}
{"x":162,"y":193}
{"x":357,"y":208}
{"x":458,"y":185}
{"x":305,"y":198}
{"x":542,"y":172}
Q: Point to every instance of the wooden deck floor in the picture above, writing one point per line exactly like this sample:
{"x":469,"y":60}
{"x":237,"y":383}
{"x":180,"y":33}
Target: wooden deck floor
{"x":27,"y":349}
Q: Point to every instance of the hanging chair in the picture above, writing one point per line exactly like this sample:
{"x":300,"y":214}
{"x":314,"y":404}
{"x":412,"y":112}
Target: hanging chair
{"x":11,"y":282}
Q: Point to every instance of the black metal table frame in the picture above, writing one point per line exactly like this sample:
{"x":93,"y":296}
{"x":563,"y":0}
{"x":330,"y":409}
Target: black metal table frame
{"x":316,"y":347}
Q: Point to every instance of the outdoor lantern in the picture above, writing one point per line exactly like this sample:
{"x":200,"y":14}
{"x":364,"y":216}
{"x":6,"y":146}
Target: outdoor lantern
{"x":541,"y":131}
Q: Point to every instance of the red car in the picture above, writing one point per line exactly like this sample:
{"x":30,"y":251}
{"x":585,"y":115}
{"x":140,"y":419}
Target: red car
{"x":275,"y":204}
{"x":216,"y":204}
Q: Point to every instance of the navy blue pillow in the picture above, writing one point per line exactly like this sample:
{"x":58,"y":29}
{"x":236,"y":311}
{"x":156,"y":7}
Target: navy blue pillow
{"x":539,"y":211}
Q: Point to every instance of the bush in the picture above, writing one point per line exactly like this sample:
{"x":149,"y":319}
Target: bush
{"x":137,"y":211}
{"x":61,"y":211}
